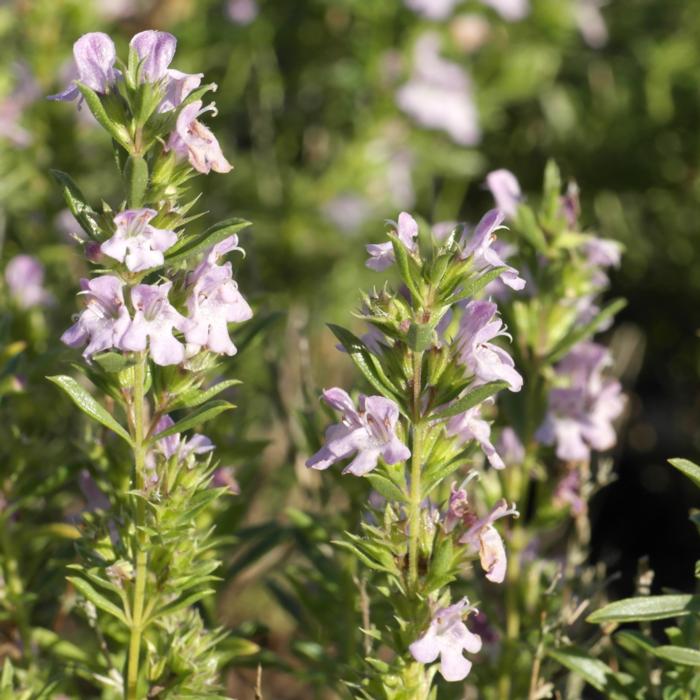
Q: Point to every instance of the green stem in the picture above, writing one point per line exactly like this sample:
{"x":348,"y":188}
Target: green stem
{"x":15,"y":588}
{"x":415,"y":496}
{"x":140,"y":516}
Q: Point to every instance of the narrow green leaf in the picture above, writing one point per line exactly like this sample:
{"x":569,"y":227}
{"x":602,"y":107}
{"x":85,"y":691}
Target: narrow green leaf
{"x":678,"y":655}
{"x":204,"y":241}
{"x":201,"y":415}
{"x":579,"y":333}
{"x":97,"y":599}
{"x":645,"y":608}
{"x":196,"y":397}
{"x":593,"y":671}
{"x":471,"y":399}
{"x":386,"y":487}
{"x":527,"y":226}
{"x":409,"y":272}
{"x":365,"y":362}
{"x":685,"y":466}
{"x":181,"y":603}
{"x":88,"y":405}
{"x":61,"y":648}
{"x":116,"y":131}
{"x":475,"y":285}
{"x":84,"y":214}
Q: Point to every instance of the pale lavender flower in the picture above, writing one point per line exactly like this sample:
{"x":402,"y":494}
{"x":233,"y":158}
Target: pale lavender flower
{"x":215,"y":301}
{"x":94,"y":55}
{"x":242,"y":12}
{"x":457,"y":508}
{"x":136,"y":243}
{"x":439,"y":94}
{"x":347,"y":211}
{"x":112,"y":10}
{"x":580,"y":416}
{"x":486,"y":361}
{"x":224,"y":477}
{"x":510,"y":10}
{"x":483,"y":538}
{"x":178,"y":86}
{"x":568,"y":493}
{"x":448,"y":637}
{"x":194,"y":141}
{"x":480,"y":248}
{"x":176,"y":446}
{"x":471,"y":426}
{"x":432,"y":9}
{"x":590,"y":22}
{"x":368,"y":432}
{"x":602,"y":252}
{"x":24,"y":276}
{"x":104,"y":320}
{"x":154,"y":320}
{"x":381,"y":255}
{"x":155,"y":51}
{"x":505,"y":188}
{"x":510,"y":447}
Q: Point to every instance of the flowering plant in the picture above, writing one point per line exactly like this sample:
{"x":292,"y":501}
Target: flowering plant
{"x":154,"y":321}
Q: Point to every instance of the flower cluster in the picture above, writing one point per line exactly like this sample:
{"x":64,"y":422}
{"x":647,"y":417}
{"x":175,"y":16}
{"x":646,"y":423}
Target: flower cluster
{"x":582,"y":410}
{"x":162,"y":296}
{"x":435,"y":353}
{"x":95,"y":60}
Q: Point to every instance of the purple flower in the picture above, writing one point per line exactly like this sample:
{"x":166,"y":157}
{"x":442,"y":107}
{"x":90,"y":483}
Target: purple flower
{"x":439,"y":94}
{"x":242,"y":11}
{"x":154,"y":320}
{"x":178,"y":87}
{"x":105,"y":319}
{"x":510,"y":10}
{"x":471,"y":426}
{"x":483,"y":538}
{"x":94,"y":55}
{"x":136,"y":242}
{"x":486,"y":361}
{"x":368,"y":432}
{"x":602,"y":252}
{"x":479,"y":247}
{"x":432,"y":9}
{"x":224,"y":477}
{"x":510,"y":447}
{"x":457,"y":508}
{"x":448,"y":637}
{"x":215,"y":301}
{"x":381,"y":255}
{"x":192,"y":140}
{"x":505,"y":189}
{"x":568,"y":493}
{"x":177,"y":446}
{"x":155,"y":51}
{"x":24,"y":275}
{"x":580,"y":415}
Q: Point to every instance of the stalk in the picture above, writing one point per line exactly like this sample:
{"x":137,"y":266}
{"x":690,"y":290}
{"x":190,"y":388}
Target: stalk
{"x":138,"y":432}
{"x":415,"y":496}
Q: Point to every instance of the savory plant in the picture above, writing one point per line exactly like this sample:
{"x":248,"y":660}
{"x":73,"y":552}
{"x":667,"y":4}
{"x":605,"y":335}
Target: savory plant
{"x":155,"y":317}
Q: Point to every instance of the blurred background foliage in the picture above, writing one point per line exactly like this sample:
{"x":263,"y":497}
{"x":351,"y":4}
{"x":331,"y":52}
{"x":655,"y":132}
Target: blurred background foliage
{"x":310,"y":116}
